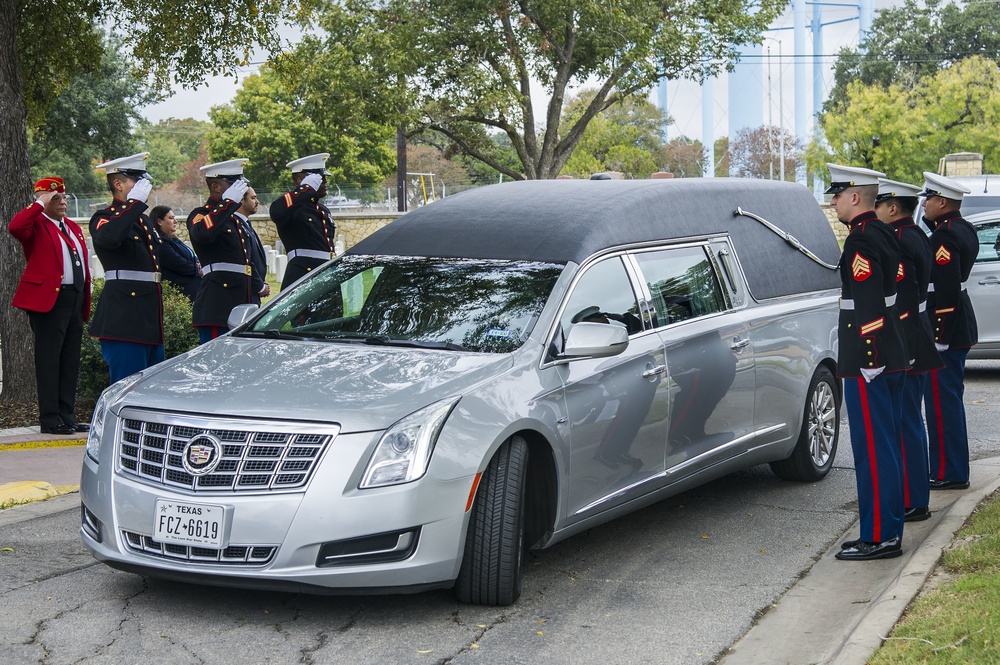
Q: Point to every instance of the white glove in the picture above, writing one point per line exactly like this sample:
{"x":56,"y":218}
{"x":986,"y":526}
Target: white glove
{"x":313,"y":180}
{"x":140,"y":190}
{"x":237,"y":190}
{"x":870,"y":374}
{"x":941,"y":347}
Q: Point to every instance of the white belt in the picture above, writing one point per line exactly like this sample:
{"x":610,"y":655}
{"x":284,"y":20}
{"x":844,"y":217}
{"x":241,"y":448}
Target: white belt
{"x":922,"y":307}
{"x":239,"y":268}
{"x":133,"y":275}
{"x":846,"y":303}
{"x":930,"y":287}
{"x":310,"y":254}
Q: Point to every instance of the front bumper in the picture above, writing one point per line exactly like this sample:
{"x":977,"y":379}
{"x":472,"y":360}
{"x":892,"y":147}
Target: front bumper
{"x":119,"y":528}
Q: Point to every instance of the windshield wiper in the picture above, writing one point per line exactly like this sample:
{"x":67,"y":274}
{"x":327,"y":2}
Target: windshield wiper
{"x":381,"y":340}
{"x":274,"y":333}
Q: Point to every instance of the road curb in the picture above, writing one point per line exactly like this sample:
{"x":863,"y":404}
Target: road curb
{"x":874,"y":625}
{"x":26,"y":491}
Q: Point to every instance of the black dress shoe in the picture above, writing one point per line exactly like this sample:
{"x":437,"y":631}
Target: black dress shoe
{"x":916,"y":514}
{"x":848,"y":544}
{"x":81,"y":427}
{"x":949,"y":484}
{"x":887,"y":549}
{"x":61,"y":429}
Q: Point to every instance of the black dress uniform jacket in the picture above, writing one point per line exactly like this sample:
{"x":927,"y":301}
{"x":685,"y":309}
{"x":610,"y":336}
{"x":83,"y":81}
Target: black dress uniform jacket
{"x":258,"y":260}
{"x":179,"y":266}
{"x":303,"y":223}
{"x":128,"y":310}
{"x":217,"y":239}
{"x":955,"y":246}
{"x":911,"y":289}
{"x":870,"y":335}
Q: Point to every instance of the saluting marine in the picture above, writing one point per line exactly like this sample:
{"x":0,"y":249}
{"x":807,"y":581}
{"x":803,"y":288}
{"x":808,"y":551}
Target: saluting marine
{"x":222,"y":249}
{"x":872,"y":361}
{"x":894,"y":205}
{"x":305,"y":225}
{"x":129,"y":315}
{"x":955,"y":245}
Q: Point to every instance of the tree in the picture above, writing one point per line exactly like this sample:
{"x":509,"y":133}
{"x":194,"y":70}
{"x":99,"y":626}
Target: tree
{"x":171,"y":144}
{"x":682,"y":157}
{"x":457,"y":66}
{"x":914,"y":40}
{"x":271,"y":123}
{"x":44,"y":45}
{"x":756,"y":153}
{"x":90,"y":121}
{"x":904,"y":131}
{"x":721,"y":149}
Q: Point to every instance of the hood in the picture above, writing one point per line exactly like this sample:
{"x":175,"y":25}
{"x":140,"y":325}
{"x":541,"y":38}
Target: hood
{"x":363,"y":388}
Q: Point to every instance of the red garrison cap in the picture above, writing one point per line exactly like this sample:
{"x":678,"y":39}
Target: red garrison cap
{"x":50,"y":184}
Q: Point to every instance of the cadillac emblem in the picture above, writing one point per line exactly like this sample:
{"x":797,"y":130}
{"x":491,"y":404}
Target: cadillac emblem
{"x":201,"y":455}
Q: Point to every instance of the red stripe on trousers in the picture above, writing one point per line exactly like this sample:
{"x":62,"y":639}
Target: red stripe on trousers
{"x":869,"y":435}
{"x":940,"y":423}
{"x":906,"y":480}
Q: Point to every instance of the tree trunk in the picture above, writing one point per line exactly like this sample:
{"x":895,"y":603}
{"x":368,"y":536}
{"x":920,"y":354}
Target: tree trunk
{"x":16,"y":342}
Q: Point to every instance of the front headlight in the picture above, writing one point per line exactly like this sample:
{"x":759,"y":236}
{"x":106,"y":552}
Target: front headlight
{"x":108,"y":397}
{"x":404,"y":451}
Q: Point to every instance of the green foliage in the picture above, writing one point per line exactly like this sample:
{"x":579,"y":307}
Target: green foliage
{"x":171,"y":144}
{"x":179,"y":337}
{"x":904,"y":131}
{"x":268,"y":122}
{"x":756,"y":153}
{"x":89,"y":121}
{"x":458,"y":66}
{"x":916,"y":40}
{"x":682,"y":157}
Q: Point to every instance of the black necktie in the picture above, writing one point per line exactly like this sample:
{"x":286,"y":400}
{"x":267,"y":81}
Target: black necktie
{"x":74,"y":259}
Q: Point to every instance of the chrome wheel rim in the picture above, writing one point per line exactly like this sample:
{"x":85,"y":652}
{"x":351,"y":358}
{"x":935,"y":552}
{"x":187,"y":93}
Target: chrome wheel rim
{"x":822,"y":424}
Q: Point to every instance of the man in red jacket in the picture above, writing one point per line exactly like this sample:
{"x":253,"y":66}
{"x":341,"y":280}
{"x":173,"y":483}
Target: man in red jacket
{"x":55,"y":292}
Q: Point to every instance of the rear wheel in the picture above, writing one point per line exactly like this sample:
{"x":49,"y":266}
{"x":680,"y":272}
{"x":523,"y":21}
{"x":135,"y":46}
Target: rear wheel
{"x":813,"y":455}
{"x":494,"y":547}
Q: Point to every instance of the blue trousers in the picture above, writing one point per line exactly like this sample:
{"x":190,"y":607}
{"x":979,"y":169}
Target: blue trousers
{"x":208,"y":333}
{"x":127,"y":358}
{"x":873,"y":413}
{"x":947,"y":435}
{"x":916,"y":490}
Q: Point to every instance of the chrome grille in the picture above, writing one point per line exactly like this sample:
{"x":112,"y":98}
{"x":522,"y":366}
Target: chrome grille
{"x":234,"y":555}
{"x":255,"y":455}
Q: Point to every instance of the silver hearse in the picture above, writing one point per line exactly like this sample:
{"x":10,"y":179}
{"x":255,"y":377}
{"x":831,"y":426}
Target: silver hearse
{"x":492,"y":373}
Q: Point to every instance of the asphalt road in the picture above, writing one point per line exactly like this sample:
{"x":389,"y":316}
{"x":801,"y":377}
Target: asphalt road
{"x":678,"y":582}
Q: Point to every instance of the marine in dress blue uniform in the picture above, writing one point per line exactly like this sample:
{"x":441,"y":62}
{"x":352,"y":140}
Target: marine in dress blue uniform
{"x":129,"y":315}
{"x":894,"y":205}
{"x":222,"y":249}
{"x":255,"y":248}
{"x":872,"y":361}
{"x":305,"y":225}
{"x":955,"y":246}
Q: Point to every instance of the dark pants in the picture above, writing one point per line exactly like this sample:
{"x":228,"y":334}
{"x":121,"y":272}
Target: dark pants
{"x":127,"y":358}
{"x":916,"y":489}
{"x":873,"y":413}
{"x":208,"y":333}
{"x":947,"y":435}
{"x":58,"y":335}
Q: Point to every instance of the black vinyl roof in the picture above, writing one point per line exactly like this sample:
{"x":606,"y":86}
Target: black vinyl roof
{"x":569,"y":220}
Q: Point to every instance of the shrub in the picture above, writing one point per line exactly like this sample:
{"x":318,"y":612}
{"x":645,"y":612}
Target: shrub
{"x":177,"y":331}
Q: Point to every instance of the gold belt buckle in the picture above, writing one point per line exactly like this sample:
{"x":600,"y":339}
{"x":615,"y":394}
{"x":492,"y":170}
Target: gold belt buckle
{"x":157,"y":277}
{"x":332,"y":255}
{"x":249,"y":271}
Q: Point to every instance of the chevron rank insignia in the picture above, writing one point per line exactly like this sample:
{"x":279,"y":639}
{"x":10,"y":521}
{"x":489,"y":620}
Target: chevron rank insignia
{"x":861,"y":268}
{"x":942,"y":255}
{"x":900,"y":274}
{"x":202,"y":218}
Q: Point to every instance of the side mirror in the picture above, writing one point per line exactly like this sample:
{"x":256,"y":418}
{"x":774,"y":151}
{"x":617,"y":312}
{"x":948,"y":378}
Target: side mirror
{"x":595,"y":340}
{"x":240,"y":315}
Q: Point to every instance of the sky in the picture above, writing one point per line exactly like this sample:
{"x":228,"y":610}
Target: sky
{"x":684,"y":97}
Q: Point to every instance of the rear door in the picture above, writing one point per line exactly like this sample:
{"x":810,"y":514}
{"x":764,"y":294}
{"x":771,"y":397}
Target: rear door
{"x":984,"y":282}
{"x":710,"y":358}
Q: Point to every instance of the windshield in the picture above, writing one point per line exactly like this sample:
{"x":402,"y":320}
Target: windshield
{"x":460,"y":304}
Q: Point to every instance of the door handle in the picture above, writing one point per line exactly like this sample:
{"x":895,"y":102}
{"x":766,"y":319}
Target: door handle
{"x":990,"y":280}
{"x":739,"y":344}
{"x":653,"y":371}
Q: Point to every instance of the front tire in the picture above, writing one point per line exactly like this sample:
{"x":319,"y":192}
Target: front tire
{"x":492,"y":566}
{"x":813,"y":455}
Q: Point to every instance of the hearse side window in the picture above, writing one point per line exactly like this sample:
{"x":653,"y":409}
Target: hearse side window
{"x":989,"y":242}
{"x":725,"y":264}
{"x":682,"y":282}
{"x":603,"y":295}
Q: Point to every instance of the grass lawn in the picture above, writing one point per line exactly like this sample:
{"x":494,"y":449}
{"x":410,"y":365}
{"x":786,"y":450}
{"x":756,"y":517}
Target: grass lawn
{"x":959,"y":621}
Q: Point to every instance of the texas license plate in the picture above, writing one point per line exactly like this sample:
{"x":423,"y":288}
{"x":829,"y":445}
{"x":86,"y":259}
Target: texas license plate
{"x":196,"y":524}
